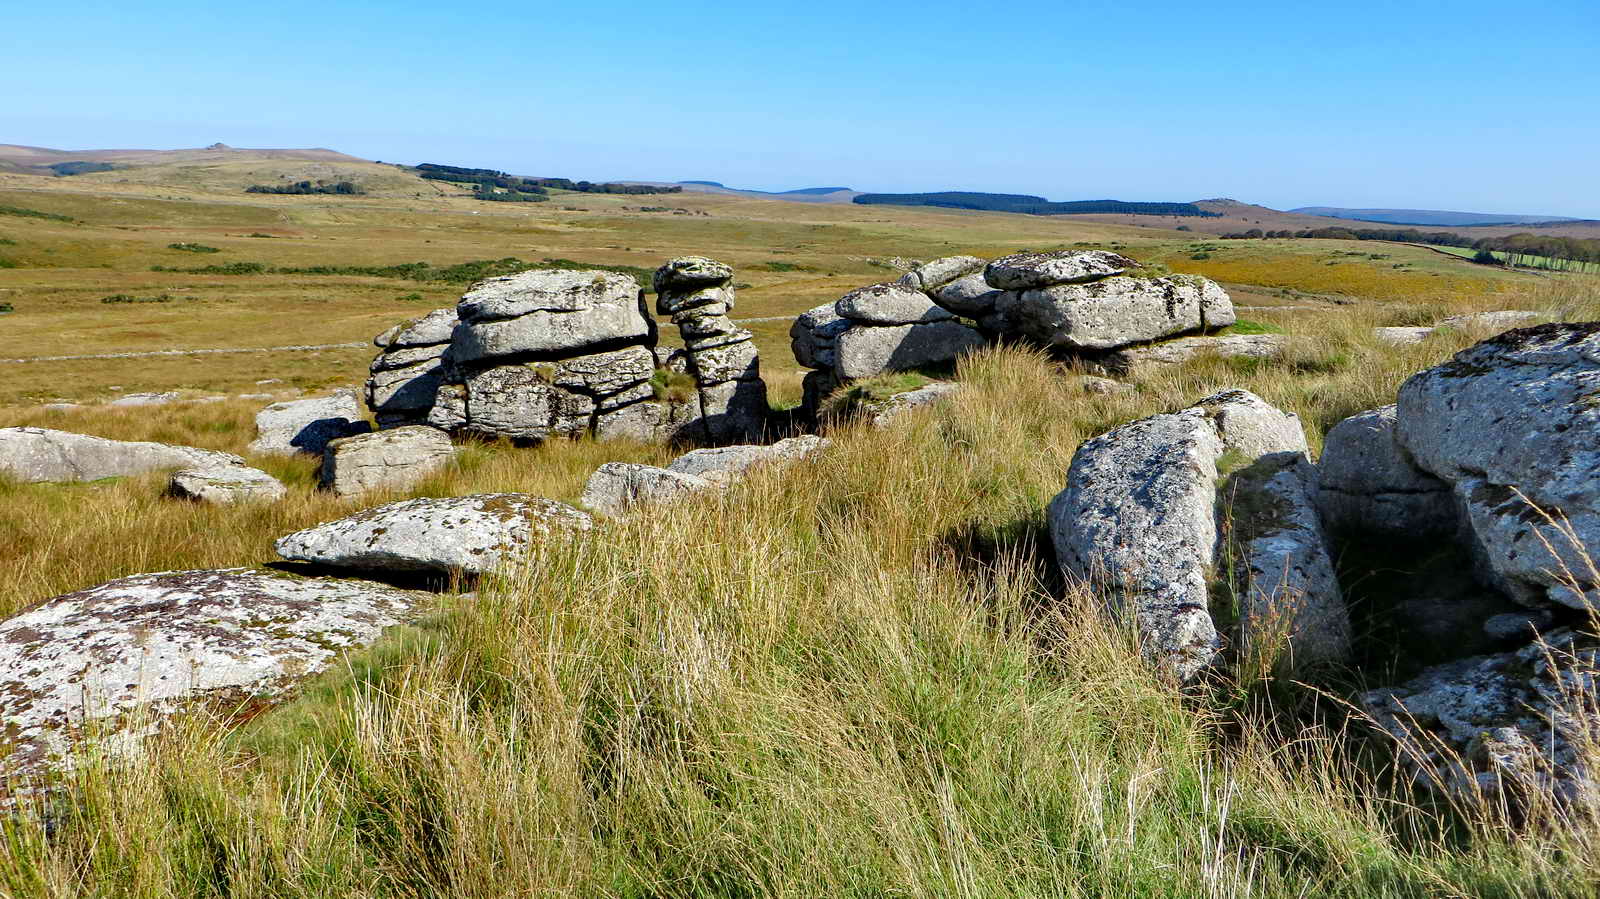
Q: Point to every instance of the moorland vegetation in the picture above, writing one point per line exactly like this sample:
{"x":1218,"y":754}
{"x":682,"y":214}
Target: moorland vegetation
{"x":859,"y":676}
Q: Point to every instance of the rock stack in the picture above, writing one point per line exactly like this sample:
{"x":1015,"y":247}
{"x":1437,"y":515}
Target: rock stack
{"x":409,"y":368}
{"x":1088,"y":303}
{"x":721,"y":356}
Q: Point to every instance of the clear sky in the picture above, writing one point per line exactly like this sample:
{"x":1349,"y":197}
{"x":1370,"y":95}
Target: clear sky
{"x":1463,"y":105}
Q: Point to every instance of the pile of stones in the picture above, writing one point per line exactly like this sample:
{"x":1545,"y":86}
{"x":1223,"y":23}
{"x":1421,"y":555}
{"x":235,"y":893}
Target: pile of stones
{"x":546,"y":354}
{"x":1085,"y":303}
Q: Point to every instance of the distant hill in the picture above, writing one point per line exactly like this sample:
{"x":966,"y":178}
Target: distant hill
{"x":1435,"y":217}
{"x":218,"y":168}
{"x":802,"y":195}
{"x":1031,"y":205}
{"x":46,"y":161}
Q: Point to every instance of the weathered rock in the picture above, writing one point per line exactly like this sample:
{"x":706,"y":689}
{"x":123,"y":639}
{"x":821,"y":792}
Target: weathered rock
{"x":306,"y":426}
{"x":616,"y":488}
{"x":1290,"y":597}
{"x":1024,"y":271}
{"x":930,"y":276}
{"x":433,"y":329}
{"x":225,"y":484}
{"x":1402,"y":336}
{"x":725,"y":464}
{"x":736,"y":361}
{"x":1115,"y":312}
{"x":813,"y":335}
{"x":718,"y":300}
{"x":1183,"y":349}
{"x":1513,"y":425}
{"x":969,"y":295}
{"x":119,"y":659}
{"x":549,"y":314}
{"x":734,"y":411}
{"x":882,"y":412}
{"x":145,"y":399}
{"x":689,"y":273}
{"x":1503,"y":719}
{"x":890,"y":304}
{"x":1251,"y":426}
{"x":405,"y":395}
{"x":862,"y":352}
{"x":1367,"y":483}
{"x":533,"y":401}
{"x":43,"y":454}
{"x":467,"y":534}
{"x":1137,"y":519}
{"x":449,"y":410}
{"x":1104,"y":386}
{"x":392,"y":459}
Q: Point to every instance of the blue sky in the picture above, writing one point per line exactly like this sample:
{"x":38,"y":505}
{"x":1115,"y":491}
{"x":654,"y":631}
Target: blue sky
{"x":1465,"y":105}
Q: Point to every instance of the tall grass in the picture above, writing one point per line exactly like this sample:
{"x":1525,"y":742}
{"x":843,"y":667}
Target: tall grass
{"x":857,"y":676}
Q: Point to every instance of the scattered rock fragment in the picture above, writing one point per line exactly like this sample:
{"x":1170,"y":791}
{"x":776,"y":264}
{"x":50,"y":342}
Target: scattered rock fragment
{"x":225,"y":485}
{"x":392,"y":459}
{"x":43,"y":454}
{"x":306,"y":426}
{"x":617,"y":488}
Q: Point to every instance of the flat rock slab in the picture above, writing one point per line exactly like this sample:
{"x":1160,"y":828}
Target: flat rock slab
{"x":226,"y":484}
{"x":466,"y":534}
{"x":306,"y":426}
{"x":128,"y":654}
{"x":395,"y":459}
{"x":549,"y":314}
{"x":617,"y":488}
{"x":43,"y":454}
{"x":1513,"y":425}
{"x":145,"y":399}
{"x":890,"y":304}
{"x":1024,"y":271}
{"x":725,"y":464}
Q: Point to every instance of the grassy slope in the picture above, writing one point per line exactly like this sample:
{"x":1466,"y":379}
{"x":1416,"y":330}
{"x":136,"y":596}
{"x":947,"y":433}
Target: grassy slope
{"x":857,"y":677}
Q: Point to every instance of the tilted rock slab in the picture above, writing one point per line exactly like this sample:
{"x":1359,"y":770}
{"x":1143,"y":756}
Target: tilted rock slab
{"x":306,"y":426}
{"x":43,"y":454}
{"x":1368,"y":485}
{"x":1138,"y":517}
{"x":931,"y":276}
{"x":1513,"y":425}
{"x":395,"y":458}
{"x":617,"y":488}
{"x":969,"y":295}
{"x":225,"y":484}
{"x":119,"y":659}
{"x":1290,"y":598}
{"x":466,"y":534}
{"x":1115,"y":312}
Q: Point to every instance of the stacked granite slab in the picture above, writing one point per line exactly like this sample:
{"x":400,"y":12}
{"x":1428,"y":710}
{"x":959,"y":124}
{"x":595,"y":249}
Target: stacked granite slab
{"x":698,"y":295}
{"x":410,"y":366}
{"x":1093,"y":301}
{"x":898,"y":326}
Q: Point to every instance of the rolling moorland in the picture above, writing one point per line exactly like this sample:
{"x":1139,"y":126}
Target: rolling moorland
{"x":861,"y":676}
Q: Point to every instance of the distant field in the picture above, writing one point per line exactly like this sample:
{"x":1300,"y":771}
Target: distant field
{"x":1545,"y":262}
{"x":104,"y":234}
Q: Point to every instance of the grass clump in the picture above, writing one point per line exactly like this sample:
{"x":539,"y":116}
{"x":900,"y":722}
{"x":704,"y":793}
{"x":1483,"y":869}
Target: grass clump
{"x":192,"y":248}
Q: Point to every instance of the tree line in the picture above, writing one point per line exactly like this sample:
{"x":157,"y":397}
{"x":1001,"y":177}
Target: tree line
{"x":488,"y":179}
{"x":1522,"y":248}
{"x":1031,"y":205}
{"x":306,"y":187}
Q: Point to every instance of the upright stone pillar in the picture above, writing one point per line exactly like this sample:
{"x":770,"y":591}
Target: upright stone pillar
{"x":697,"y":294}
